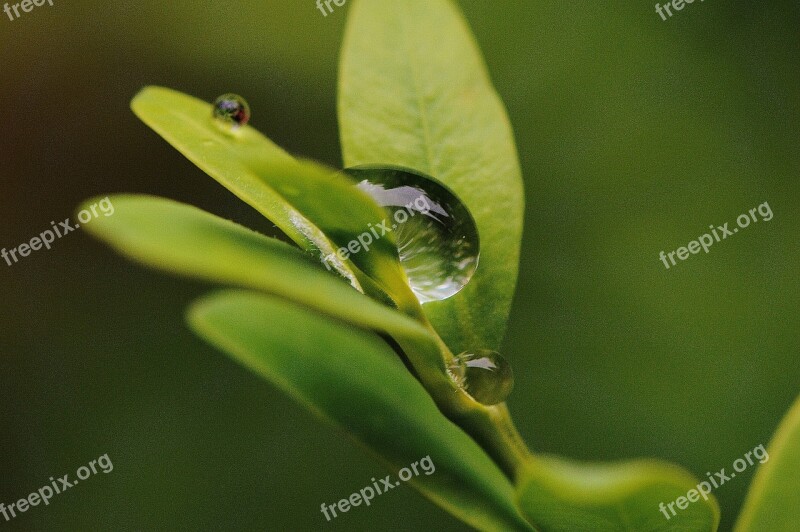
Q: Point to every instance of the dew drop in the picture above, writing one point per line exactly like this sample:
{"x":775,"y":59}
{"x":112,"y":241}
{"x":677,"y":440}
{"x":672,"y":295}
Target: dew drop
{"x":436,"y":236}
{"x":231,"y":111}
{"x":484,"y":374}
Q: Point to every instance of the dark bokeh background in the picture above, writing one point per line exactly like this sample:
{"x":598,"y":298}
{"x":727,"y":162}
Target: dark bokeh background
{"x":634,"y":134}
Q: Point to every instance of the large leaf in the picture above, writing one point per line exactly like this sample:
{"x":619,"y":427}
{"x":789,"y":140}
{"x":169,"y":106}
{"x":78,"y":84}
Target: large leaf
{"x":562,"y":496}
{"x":414,"y":92}
{"x":773,"y":502}
{"x":318,"y":209}
{"x":188,"y":241}
{"x":356,"y":382}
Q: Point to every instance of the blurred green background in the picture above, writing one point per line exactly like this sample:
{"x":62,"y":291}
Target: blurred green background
{"x":635,"y":134}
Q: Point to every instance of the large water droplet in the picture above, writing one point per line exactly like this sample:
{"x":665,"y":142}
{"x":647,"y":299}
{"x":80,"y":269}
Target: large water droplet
{"x":435,"y":233}
{"x":483,"y":374}
{"x":231,"y":111}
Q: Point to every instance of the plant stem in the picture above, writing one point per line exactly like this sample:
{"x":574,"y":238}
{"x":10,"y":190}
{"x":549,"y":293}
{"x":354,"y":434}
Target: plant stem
{"x":493,"y":429}
{"x":490,"y":426}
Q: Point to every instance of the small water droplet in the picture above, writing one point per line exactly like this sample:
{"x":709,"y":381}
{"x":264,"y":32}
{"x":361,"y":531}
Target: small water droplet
{"x":231,"y":111}
{"x":484,"y":374}
{"x":435,"y":233}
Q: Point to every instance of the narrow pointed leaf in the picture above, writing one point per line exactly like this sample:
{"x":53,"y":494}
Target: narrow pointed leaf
{"x":414,"y":92}
{"x":356,"y":382}
{"x":557,"y":495}
{"x":315,"y":207}
{"x":773,"y":502}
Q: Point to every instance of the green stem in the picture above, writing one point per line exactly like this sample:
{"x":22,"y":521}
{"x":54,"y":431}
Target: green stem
{"x":493,"y":429}
{"x":490,"y":426}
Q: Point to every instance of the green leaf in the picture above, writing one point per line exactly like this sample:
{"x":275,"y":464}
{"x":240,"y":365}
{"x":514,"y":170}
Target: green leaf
{"x":414,"y":92}
{"x":559,"y":495}
{"x":188,"y":241}
{"x":356,"y":382}
{"x":318,"y":209}
{"x":773,"y":502}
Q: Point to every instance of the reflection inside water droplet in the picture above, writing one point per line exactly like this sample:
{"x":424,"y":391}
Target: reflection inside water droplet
{"x":231,"y":111}
{"x":484,"y":374}
{"x":435,"y":233}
